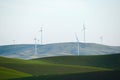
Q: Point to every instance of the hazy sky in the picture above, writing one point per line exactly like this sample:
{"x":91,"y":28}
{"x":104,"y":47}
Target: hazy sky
{"x":21,"y":20}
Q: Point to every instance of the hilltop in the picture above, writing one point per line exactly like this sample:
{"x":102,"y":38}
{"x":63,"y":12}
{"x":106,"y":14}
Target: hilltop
{"x":26,"y":51}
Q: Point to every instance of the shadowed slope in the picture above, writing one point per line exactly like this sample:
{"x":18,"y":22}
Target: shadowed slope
{"x":102,"y":75}
{"x":107,"y":61}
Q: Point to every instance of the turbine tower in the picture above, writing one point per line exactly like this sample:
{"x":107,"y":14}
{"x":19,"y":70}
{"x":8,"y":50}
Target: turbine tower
{"x":101,"y":39}
{"x":14,"y":42}
{"x":84,"y":28}
{"x":35,"y":55}
{"x":41,"y":30}
{"x":78,"y":45}
{"x":38,"y":41}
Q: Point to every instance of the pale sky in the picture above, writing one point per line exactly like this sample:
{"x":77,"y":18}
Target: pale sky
{"x":21,"y":20}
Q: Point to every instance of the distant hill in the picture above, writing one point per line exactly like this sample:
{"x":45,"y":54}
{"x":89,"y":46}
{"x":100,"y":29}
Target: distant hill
{"x":26,"y":51}
{"x":111,"y":61}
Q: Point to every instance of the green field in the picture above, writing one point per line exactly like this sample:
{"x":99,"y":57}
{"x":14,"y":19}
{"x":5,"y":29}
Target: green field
{"x":59,"y":68}
{"x":6,"y":73}
{"x":107,"y":61}
{"x":100,"y":75}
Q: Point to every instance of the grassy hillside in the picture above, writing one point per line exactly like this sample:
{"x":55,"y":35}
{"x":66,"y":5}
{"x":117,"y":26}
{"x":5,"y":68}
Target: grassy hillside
{"x":44,"y":68}
{"x":62,"y":68}
{"x":101,"y":75}
{"x":6,"y":73}
{"x":107,"y":61}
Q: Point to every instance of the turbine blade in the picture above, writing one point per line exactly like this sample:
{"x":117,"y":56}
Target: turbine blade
{"x":76,"y":37}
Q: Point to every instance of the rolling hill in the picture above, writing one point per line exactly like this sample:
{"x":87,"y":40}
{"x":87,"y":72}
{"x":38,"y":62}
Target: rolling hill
{"x":94,"y":67}
{"x":107,"y":61}
{"x":26,"y":51}
{"x":101,"y":75}
{"x":6,"y":73}
{"x":44,"y":68}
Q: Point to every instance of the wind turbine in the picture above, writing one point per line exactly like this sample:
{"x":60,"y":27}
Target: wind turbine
{"x":101,"y":39}
{"x":84,"y":28}
{"x":78,"y":45}
{"x":38,"y":41}
{"x":41,"y":30}
{"x":14,"y":42}
{"x":35,"y":55}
